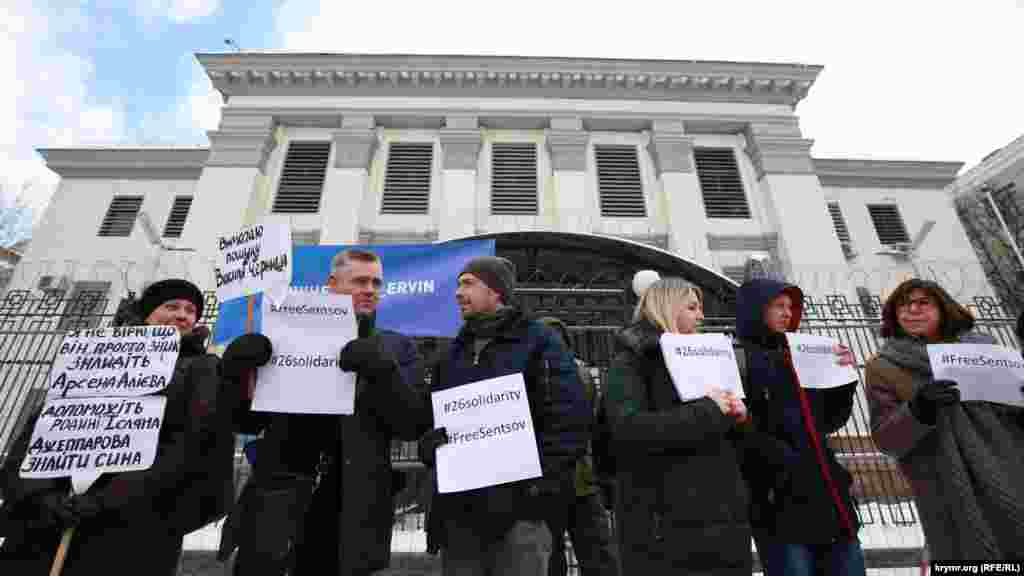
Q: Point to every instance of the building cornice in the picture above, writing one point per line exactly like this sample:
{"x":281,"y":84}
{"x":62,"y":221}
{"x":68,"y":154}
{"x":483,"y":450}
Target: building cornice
{"x":851,"y":173}
{"x":996,"y":170}
{"x":277,"y":73}
{"x":163,"y":163}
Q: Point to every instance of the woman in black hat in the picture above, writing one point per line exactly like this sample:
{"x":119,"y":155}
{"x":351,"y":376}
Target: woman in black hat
{"x":134,"y":522}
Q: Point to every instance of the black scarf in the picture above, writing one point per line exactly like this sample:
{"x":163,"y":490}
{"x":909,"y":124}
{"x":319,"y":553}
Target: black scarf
{"x":486,"y":326}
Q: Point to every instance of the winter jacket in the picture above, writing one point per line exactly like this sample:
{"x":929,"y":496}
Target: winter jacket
{"x":147,"y":513}
{"x":347,"y":527}
{"x":799,"y":492}
{"x":682,"y":504}
{"x":558,"y":408}
{"x":965,"y":471}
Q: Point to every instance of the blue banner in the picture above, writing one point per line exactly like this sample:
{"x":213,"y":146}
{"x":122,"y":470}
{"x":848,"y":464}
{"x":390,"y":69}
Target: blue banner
{"x":417,"y":299}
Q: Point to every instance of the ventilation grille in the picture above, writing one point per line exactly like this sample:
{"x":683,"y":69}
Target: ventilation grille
{"x":176,"y":221}
{"x":618,"y":182}
{"x":302,"y":179}
{"x":513,"y":178}
{"x":888,"y":224}
{"x":838,"y":222}
{"x":120,"y":217}
{"x":720,"y":183}
{"x":407,"y":181}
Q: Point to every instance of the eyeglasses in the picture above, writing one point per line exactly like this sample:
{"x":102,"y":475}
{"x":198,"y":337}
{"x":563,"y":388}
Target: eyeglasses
{"x":917,"y":302}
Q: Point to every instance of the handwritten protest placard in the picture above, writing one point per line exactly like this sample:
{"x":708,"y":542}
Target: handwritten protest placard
{"x":308,"y":330}
{"x":490,"y":435}
{"x":86,"y":437}
{"x":122,"y":361}
{"x":816,"y":363}
{"x":700,"y":362}
{"x":983,"y":372}
{"x":255,"y":259}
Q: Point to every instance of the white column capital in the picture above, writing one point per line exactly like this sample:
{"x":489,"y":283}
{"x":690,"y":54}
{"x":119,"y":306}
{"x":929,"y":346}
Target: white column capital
{"x":461,"y":148}
{"x":354,"y":147}
{"x":568,"y":149}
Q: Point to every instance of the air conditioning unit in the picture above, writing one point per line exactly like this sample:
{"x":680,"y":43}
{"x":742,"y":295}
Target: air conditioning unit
{"x":50,"y":284}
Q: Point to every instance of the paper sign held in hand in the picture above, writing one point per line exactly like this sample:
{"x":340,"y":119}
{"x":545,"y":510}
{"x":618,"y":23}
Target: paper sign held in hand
{"x":122,"y":361}
{"x":308,"y":331}
{"x":255,"y":259}
{"x":490,"y":435}
{"x":86,"y":437}
{"x":699,"y":363}
{"x":816,"y":362}
{"x":983,"y":372}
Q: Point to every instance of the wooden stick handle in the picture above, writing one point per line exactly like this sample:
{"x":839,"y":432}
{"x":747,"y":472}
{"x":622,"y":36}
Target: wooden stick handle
{"x":62,"y":551}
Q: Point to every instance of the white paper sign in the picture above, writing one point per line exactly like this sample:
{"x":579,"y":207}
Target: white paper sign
{"x":983,"y":372}
{"x":490,"y":435}
{"x":86,"y":437}
{"x":122,"y":361}
{"x":255,"y":259}
{"x":816,"y":362}
{"x":309,"y":330}
{"x":700,"y":362}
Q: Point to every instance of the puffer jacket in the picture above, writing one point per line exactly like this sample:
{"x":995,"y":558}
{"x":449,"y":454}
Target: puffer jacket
{"x":682,"y":505}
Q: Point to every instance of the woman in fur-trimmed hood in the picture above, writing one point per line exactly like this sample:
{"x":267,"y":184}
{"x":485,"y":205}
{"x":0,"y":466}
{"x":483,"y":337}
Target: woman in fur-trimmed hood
{"x":962,"y":459}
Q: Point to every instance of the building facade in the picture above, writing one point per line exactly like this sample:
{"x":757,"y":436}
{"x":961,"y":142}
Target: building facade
{"x":989,"y":199}
{"x":700,"y":163}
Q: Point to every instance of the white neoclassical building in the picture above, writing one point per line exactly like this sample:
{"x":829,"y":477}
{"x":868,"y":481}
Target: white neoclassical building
{"x":700,"y":163}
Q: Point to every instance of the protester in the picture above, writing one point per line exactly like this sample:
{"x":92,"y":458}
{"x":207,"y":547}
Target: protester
{"x":134,"y":522}
{"x":962,"y":459}
{"x":682,"y":505}
{"x":500,"y":530}
{"x":802,"y":514}
{"x":586,"y":519}
{"x":344,"y":526}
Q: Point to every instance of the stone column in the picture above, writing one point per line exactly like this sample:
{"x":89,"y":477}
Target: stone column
{"x":808,"y":247}
{"x":574,"y":207}
{"x":231,"y":179}
{"x":672,"y":152}
{"x":347,"y":181}
{"x":460,"y":145}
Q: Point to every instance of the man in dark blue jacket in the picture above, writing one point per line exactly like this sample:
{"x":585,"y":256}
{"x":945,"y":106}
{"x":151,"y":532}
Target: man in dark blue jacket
{"x":803,"y":518}
{"x":500,"y":530}
{"x":346,"y":528}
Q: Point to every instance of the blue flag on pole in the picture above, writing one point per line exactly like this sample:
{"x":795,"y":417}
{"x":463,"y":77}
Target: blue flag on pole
{"x":417,"y":299}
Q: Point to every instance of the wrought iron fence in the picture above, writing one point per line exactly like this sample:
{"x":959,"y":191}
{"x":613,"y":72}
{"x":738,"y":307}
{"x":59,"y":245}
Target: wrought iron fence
{"x":32,"y":326}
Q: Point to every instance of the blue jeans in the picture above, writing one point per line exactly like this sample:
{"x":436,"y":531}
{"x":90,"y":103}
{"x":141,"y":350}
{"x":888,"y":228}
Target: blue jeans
{"x":840,"y":559}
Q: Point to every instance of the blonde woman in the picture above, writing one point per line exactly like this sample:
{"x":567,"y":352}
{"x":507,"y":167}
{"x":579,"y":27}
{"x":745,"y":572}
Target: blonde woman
{"x":682,"y":505}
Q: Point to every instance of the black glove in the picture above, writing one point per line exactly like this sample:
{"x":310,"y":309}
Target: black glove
{"x":53,"y":510}
{"x":247,"y":352}
{"x":86,"y":506}
{"x":930,"y":396}
{"x":428,"y":445}
{"x":195,"y":341}
{"x":366,"y":357}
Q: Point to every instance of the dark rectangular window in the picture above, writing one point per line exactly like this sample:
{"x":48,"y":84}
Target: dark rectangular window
{"x":179,"y":213}
{"x":302,"y":178}
{"x":120,"y":217}
{"x":513,"y":178}
{"x":720,"y":183}
{"x":619,"y":185}
{"x":888,"y":224}
{"x":407,"y":178}
{"x":838,"y":222}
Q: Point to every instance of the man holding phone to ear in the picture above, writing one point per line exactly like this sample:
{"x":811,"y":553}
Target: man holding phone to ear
{"x":346,"y":527}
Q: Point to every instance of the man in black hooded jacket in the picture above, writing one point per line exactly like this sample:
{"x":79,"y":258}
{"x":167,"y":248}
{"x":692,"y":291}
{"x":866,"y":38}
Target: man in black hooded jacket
{"x":802,"y":515}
